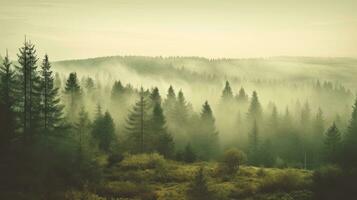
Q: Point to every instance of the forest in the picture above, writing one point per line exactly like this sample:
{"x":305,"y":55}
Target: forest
{"x":134,"y":127}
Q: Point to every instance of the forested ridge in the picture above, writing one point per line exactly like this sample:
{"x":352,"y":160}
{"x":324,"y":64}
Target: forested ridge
{"x":84,"y":133}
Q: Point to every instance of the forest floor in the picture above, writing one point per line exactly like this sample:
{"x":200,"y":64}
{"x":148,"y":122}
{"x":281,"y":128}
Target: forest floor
{"x":152,"y":177}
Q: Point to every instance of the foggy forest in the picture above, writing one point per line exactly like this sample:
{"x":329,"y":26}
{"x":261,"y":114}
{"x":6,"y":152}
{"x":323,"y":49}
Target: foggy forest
{"x":131,"y":127}
{"x":178,"y":100}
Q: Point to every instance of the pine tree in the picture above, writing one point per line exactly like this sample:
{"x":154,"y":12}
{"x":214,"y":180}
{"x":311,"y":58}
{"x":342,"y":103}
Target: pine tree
{"x":227,"y":94}
{"x":107,"y":138}
{"x":332,"y":144}
{"x":254,"y":143}
{"x":138,"y":124}
{"x":30,"y":99}
{"x":209,"y":145}
{"x":82,"y":127}
{"x":155,"y":96}
{"x":51,"y":110}
{"x":255,"y":110}
{"x":242,"y":97}
{"x":162,"y":141}
{"x":7,"y":101}
{"x":117,"y":91}
{"x":319,"y":124}
{"x":350,"y":140}
{"x":170,"y":103}
{"x":189,"y":155}
{"x":274,"y":120}
{"x":73,"y":90}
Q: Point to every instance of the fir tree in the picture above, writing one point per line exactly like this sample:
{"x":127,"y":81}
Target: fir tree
{"x":350,"y":140}
{"x":162,"y":141}
{"x":209,"y":137}
{"x":117,"y":91}
{"x":254,"y":143}
{"x":255,"y":110}
{"x":189,"y":155}
{"x":73,"y":90}
{"x":7,"y":101}
{"x":51,"y":110}
{"x":138,"y":124}
{"x":319,"y":124}
{"x":242,"y":97}
{"x":30,"y":99}
{"x":332,"y":144}
{"x":227,"y":94}
{"x":82,"y":127}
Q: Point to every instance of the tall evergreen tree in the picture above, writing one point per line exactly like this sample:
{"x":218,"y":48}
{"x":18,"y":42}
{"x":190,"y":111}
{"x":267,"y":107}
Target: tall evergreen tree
{"x":162,"y":140}
{"x":255,"y":109}
{"x":242,"y":97}
{"x":82,"y":127}
{"x":227,"y":94}
{"x":350,"y":140}
{"x":209,"y":144}
{"x":332,"y":144}
{"x":117,"y":91}
{"x":51,"y":109}
{"x":138,"y":124}
{"x":30,"y":99}
{"x":7,"y":101}
{"x":253,"y":143}
{"x":73,"y":91}
{"x":319,"y":125}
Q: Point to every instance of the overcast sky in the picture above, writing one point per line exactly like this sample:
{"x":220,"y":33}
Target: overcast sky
{"x":70,"y":29}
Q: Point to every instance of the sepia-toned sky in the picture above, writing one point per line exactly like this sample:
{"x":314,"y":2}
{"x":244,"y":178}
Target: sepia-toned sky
{"x":68,"y":29}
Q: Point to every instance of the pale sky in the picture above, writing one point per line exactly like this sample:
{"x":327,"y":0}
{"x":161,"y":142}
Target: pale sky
{"x":68,"y":29}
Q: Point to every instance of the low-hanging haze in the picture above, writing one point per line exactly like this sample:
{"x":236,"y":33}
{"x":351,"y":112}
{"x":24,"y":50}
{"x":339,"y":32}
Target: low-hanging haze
{"x":68,"y":29}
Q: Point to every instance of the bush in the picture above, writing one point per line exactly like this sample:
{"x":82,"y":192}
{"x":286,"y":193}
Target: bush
{"x":126,"y":190}
{"x":331,"y":182}
{"x":142,"y":161}
{"x":285,"y":181}
{"x":198,"y":189}
{"x":231,"y":160}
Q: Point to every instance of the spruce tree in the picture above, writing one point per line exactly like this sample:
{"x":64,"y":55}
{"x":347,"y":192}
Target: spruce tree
{"x":51,"y":110}
{"x":242,"y":97}
{"x":137,"y":124}
{"x":332,"y":144}
{"x":82,"y":128}
{"x":117,"y":91}
{"x":319,"y":124}
{"x":30,"y":98}
{"x":253,"y":143}
{"x":227,"y":94}
{"x":73,"y":91}
{"x":255,"y":109}
{"x":209,"y":144}
{"x":162,"y":141}
{"x":350,"y":140}
{"x":7,"y":101}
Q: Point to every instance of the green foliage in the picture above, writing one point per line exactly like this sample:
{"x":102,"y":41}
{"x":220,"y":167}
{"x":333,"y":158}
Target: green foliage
{"x":231,"y":160}
{"x":332,"y":182}
{"x":198,"y":189}
{"x":189,"y":155}
{"x":286,"y":181}
{"x":7,"y":102}
{"x":332,"y":144}
{"x":142,"y":161}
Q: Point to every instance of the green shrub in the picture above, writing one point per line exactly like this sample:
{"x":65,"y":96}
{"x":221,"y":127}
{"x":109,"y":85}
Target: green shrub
{"x":285,"y":181}
{"x":142,"y":161}
{"x":232,"y":159}
{"x":126,"y":189}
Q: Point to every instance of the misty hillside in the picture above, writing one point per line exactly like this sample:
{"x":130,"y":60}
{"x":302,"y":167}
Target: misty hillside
{"x":293,"y":69}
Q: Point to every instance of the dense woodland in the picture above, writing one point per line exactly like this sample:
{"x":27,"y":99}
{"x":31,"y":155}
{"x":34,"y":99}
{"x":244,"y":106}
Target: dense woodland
{"x":58,"y":128}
